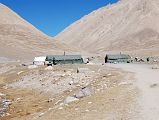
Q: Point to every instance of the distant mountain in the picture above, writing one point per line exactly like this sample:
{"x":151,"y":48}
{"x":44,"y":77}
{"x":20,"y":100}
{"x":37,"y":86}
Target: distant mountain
{"x":128,"y":25}
{"x":20,"y":40}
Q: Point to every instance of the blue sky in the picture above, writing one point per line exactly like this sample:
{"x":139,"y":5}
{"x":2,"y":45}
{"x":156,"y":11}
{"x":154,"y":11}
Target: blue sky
{"x":53,"y":16}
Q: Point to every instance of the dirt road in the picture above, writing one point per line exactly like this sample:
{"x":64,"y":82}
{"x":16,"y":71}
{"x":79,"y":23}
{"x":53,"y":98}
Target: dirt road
{"x":147,"y":81}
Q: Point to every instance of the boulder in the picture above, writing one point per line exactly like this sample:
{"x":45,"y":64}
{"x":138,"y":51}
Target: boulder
{"x":70,"y":99}
{"x":83,"y":92}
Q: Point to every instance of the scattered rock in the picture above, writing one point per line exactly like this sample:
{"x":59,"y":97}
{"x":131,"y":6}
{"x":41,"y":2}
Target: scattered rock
{"x":87,"y":110}
{"x":5,"y":87}
{"x":50,"y":109}
{"x":50,"y":100}
{"x":70,"y":99}
{"x":2,"y":95}
{"x":76,"y":109}
{"x":98,"y":90}
{"x":70,"y":90}
{"x":4,"y":104}
{"x":63,"y":75}
{"x":32,"y":66}
{"x":71,"y":82}
{"x":104,"y":75}
{"x":23,"y":65}
{"x":20,"y":72}
{"x":41,"y":114}
{"x":83,"y":70}
{"x":155,"y":67}
{"x":154,"y":85}
{"x":18,"y":99}
{"x":68,"y":72}
{"x":60,"y":108}
{"x":49,"y":68}
{"x":57,"y":102}
{"x":123,"y":83}
{"x":78,"y":85}
{"x":7,"y":102}
{"x":89,"y":102}
{"x":7,"y":114}
{"x":109,"y":74}
{"x":61,"y":104}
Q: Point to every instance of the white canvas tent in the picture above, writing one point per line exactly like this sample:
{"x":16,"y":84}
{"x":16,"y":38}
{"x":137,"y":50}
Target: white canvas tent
{"x":39,"y":60}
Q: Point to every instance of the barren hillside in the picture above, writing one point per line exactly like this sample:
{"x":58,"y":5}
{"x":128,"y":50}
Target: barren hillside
{"x":19,"y":39}
{"x":128,"y":25}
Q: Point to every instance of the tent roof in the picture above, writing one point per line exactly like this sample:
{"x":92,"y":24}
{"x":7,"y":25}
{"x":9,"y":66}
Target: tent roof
{"x":41,"y":59}
{"x":118,"y":56}
{"x":64,"y":57}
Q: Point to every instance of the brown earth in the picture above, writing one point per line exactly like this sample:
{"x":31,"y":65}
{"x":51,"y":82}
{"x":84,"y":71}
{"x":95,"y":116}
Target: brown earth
{"x":112,"y":102}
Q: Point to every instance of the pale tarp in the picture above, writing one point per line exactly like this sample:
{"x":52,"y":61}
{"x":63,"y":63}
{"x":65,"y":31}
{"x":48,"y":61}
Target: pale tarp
{"x":39,"y":60}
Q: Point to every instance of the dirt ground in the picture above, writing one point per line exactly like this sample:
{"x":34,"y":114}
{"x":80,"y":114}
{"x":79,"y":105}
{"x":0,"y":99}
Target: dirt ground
{"x":147,"y":82}
{"x":114,"y":96}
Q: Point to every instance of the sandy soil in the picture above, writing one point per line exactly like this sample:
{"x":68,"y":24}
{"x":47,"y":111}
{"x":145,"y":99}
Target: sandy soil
{"x":147,"y":81}
{"x":113,"y":93}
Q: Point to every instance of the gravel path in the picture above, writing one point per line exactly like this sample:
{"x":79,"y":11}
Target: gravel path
{"x":147,"y":80}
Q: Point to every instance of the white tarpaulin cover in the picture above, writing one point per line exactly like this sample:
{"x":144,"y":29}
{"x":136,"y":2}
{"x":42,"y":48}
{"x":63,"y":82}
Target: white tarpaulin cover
{"x":39,"y":59}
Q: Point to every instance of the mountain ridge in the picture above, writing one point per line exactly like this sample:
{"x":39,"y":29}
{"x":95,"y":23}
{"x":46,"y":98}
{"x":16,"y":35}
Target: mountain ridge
{"x":21,"y":40}
{"x":115,"y":24}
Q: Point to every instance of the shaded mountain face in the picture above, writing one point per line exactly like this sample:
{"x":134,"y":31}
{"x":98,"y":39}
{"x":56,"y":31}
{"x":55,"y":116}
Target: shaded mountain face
{"x":129,"y":25}
{"x":19,"y":39}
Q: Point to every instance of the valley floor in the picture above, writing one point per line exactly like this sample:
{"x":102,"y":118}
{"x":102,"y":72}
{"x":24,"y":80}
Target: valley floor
{"x":118,"y":92}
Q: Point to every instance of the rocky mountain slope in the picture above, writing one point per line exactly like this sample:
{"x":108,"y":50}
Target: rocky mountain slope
{"x":19,"y":39}
{"x":128,"y":25}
